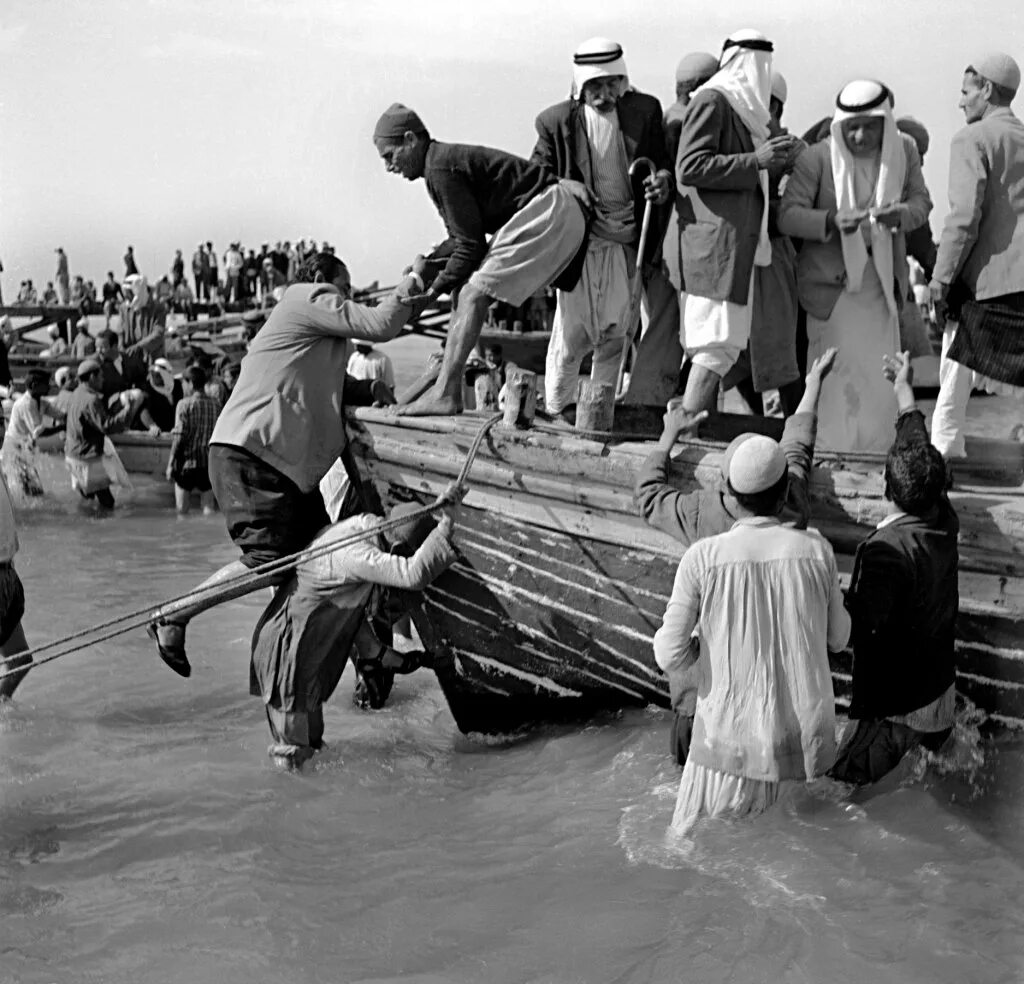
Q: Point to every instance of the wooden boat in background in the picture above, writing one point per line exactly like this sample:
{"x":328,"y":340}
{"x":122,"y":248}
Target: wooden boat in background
{"x":550,"y":612}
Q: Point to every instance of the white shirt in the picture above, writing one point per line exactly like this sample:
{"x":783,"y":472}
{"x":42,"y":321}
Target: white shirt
{"x":8,"y":531}
{"x":375,"y":365}
{"x":25,"y":418}
{"x":766,"y":602}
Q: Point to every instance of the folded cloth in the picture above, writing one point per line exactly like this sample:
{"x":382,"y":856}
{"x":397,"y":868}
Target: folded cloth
{"x":990,"y":340}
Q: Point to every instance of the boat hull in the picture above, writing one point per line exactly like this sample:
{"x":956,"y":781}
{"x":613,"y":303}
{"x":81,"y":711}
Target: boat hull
{"x":550,"y":612}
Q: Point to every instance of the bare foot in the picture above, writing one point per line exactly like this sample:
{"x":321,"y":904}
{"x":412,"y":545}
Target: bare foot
{"x":431,"y":404}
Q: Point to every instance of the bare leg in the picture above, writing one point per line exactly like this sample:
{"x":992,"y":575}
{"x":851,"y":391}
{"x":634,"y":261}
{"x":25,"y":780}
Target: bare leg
{"x":15,"y":644}
{"x":208,"y":502}
{"x":182,"y":500}
{"x":701,"y":390}
{"x":445,"y":396}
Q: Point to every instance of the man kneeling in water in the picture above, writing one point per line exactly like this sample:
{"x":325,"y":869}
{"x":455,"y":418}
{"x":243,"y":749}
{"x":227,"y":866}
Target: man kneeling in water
{"x":318,"y":619}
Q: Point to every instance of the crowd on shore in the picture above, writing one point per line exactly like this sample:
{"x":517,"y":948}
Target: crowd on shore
{"x":766,"y":225}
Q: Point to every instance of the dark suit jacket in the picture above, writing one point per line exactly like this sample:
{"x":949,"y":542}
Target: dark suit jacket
{"x":903,"y":601}
{"x":562,"y":148}
{"x":719,"y":200}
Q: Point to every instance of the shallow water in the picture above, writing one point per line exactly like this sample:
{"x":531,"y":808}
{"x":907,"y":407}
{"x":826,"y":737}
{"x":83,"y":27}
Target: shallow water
{"x":145,"y":836}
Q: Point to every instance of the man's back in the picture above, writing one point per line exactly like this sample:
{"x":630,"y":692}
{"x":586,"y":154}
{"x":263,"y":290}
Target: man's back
{"x":770,"y":608}
{"x":983,"y":238}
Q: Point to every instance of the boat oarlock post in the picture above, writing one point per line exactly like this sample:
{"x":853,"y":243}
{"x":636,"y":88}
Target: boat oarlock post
{"x":636,"y":286}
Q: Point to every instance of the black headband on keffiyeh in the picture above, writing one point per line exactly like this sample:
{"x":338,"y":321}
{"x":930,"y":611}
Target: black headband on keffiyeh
{"x":883,"y":95}
{"x":754,"y":44}
{"x":597,"y":57}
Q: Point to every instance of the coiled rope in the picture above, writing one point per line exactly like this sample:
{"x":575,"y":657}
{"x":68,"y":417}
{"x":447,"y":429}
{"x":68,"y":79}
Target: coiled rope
{"x":141,"y":617}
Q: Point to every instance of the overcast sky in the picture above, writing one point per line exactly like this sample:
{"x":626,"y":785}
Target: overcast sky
{"x":163,"y":123}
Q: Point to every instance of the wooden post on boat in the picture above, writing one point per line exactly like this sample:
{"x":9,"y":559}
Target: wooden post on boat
{"x":595,"y":406}
{"x":520,"y":398}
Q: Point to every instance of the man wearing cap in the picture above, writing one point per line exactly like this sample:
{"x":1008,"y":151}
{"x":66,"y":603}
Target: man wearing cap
{"x":88,"y":424}
{"x":320,"y":617}
{"x":981,"y":249}
{"x":766,"y":603}
{"x":594,"y":137}
{"x":920,"y":245}
{"x":536,"y":221}
{"x":726,"y":151}
{"x":692,"y":72}
{"x":283,"y":429}
{"x":691,"y":516}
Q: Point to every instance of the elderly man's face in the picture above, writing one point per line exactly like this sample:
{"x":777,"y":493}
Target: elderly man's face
{"x":603,"y":94}
{"x":863,"y":134}
{"x":974,"y":93}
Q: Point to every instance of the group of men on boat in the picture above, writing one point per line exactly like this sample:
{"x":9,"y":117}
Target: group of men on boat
{"x":753,"y":694}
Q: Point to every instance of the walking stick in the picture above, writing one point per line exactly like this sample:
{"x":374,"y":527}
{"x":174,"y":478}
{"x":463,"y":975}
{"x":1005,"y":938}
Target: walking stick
{"x":633,"y":312}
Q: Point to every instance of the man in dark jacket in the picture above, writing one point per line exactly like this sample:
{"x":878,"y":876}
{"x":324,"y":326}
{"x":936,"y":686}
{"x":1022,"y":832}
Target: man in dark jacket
{"x":903,"y":600}
{"x":594,"y":137}
{"x":725,"y":155}
{"x":537,"y":221}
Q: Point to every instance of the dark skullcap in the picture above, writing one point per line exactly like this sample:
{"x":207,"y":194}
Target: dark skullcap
{"x":917,"y":130}
{"x":697,"y":66}
{"x":396,"y":121}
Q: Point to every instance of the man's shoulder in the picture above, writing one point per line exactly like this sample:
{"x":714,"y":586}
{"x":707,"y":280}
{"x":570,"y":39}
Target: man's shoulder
{"x":555,"y":115}
{"x":641,"y":103}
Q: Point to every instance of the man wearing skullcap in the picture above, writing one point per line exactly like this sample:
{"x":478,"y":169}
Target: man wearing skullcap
{"x":768,"y":603}
{"x":536,"y":222}
{"x":725,"y":153}
{"x":593,"y":137}
{"x":694,"y":515}
{"x":981,"y":250}
{"x":850,"y":199}
{"x":692,"y":72}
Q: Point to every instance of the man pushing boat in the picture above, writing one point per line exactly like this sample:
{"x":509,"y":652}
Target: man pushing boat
{"x":281,"y":431}
{"x":538,"y":225}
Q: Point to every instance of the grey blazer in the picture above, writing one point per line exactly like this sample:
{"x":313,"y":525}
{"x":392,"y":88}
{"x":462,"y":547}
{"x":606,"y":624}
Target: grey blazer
{"x":810,"y":195}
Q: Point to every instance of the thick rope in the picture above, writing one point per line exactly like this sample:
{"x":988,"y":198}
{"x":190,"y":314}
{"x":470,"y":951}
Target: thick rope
{"x":141,"y":617}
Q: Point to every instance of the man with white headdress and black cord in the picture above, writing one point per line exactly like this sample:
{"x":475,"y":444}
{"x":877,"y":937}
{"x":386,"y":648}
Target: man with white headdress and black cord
{"x":594,"y":137}
{"x":725,"y":153}
{"x":851,"y":198}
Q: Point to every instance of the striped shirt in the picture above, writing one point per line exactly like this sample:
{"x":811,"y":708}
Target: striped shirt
{"x":194,"y":419}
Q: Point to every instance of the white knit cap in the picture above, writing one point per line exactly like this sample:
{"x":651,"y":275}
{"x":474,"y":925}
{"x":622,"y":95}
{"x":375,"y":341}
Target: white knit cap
{"x":998,"y":68}
{"x":757,"y":464}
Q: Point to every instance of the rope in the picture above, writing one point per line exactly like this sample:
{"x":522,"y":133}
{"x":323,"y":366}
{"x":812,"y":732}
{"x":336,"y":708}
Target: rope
{"x":140,"y":617}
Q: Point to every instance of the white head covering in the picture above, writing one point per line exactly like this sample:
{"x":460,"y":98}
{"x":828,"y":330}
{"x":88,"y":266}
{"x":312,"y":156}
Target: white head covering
{"x":780,"y":90}
{"x":162,"y":371}
{"x":868,"y":98}
{"x":597,"y":58}
{"x":60,"y":377}
{"x":744,"y":77}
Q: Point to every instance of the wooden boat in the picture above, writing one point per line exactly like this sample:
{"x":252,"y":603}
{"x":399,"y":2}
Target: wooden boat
{"x":550,"y":612}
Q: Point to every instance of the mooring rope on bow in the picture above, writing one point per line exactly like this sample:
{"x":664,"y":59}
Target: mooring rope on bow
{"x":141,"y":617}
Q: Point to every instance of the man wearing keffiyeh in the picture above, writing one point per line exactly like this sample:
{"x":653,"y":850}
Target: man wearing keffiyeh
{"x":725,"y":155}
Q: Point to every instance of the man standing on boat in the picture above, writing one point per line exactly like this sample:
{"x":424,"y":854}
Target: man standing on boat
{"x":281,"y":431}
{"x":538,"y":224}
{"x":766,"y":602}
{"x":594,"y":137}
{"x":981,"y":250}
{"x":726,"y":152}
{"x":692,"y":516}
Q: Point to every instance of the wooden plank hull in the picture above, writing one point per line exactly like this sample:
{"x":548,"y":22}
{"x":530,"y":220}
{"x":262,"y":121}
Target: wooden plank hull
{"x":550,"y":612}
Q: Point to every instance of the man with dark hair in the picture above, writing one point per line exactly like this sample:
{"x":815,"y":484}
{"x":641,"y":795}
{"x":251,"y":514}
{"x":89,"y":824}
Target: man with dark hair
{"x":283,"y":428}
{"x":195,"y":417}
{"x":903,"y":599}
{"x":130,"y":267}
{"x":537,"y":221}
{"x":981,"y":249}
{"x":768,"y":603}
